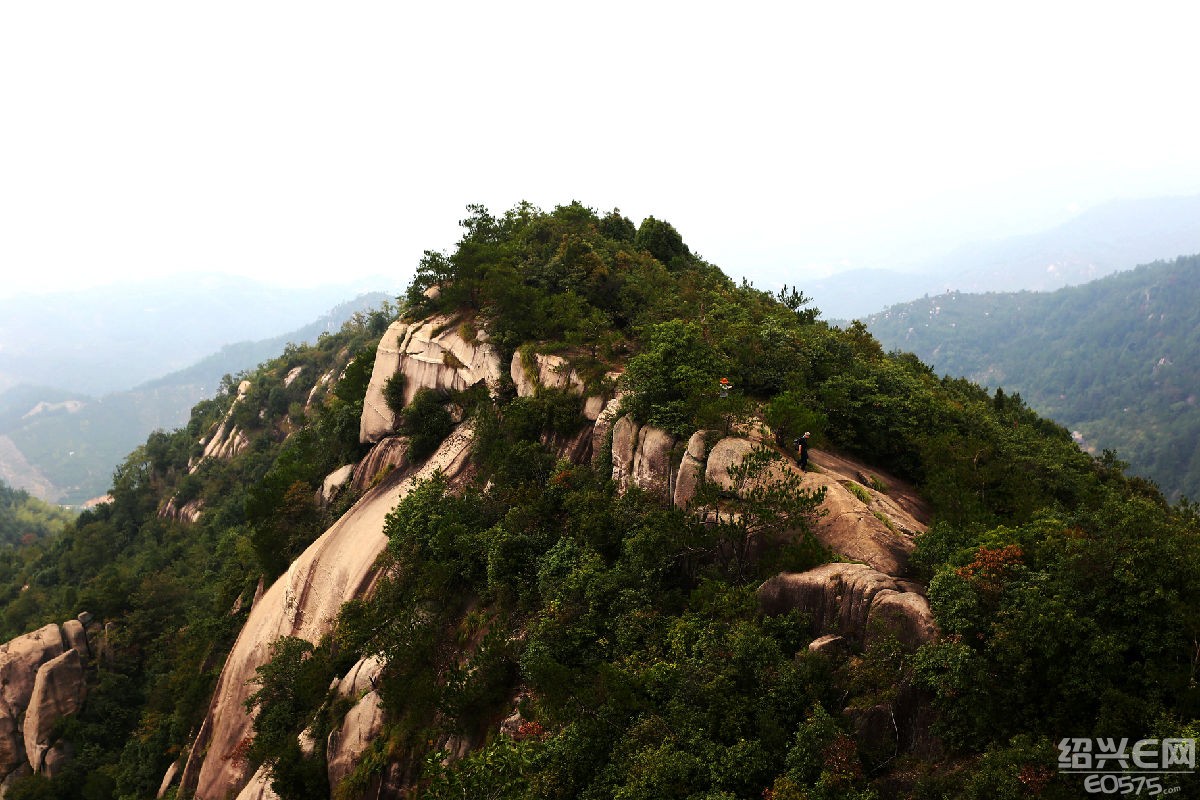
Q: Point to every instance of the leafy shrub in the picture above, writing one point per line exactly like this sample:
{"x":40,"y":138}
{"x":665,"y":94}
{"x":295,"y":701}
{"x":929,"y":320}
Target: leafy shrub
{"x":426,"y":422}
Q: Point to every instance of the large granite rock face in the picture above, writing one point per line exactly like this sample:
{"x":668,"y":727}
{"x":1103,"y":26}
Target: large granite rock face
{"x":691,"y":470}
{"x":378,"y":420}
{"x":727,"y":453}
{"x":362,"y":725}
{"x":337,"y":567}
{"x":624,"y":448}
{"x":20,"y":660}
{"x":605,"y":421}
{"x":361,"y":678}
{"x":651,"y":468}
{"x":853,"y":601}
{"x":58,"y":691}
{"x":431,"y":354}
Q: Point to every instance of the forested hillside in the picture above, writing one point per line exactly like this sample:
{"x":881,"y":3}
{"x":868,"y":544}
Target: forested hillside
{"x":25,"y":520}
{"x":1117,"y":360}
{"x":1098,"y":242}
{"x":544,"y":624}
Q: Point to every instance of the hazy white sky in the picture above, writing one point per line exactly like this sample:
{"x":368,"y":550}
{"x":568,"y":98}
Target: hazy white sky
{"x":306,"y":141}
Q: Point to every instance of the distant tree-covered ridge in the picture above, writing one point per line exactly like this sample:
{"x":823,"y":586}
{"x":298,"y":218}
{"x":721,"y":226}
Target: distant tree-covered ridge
{"x":25,"y":520}
{"x":1117,"y":360}
{"x":625,"y":632}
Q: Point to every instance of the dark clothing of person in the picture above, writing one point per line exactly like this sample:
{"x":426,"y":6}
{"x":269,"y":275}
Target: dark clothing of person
{"x":803,"y":453}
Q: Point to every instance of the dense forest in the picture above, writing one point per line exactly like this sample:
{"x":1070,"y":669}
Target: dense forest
{"x":1117,"y":359}
{"x":627,"y":632}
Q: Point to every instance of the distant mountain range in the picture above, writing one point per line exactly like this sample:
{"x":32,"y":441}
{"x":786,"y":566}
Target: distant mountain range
{"x":1116,"y":360}
{"x":1114,"y":236}
{"x":110,"y":338}
{"x":62,"y":445}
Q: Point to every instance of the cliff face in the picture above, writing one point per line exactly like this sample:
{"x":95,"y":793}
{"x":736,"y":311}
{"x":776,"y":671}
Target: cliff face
{"x":339,"y":566}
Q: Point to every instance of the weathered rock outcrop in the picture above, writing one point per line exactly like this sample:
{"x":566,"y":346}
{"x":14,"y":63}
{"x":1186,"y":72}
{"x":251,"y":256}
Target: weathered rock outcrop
{"x":431,"y":354}
{"x":169,"y":778}
{"x":853,"y":601}
{"x":323,"y":382}
{"x":851,"y":526}
{"x":877,"y":530}
{"x":56,"y":758}
{"x":337,"y":567}
{"x":259,"y":787}
{"x":75,"y":637}
{"x":58,"y":691}
{"x":378,"y":419}
{"x":41,"y":680}
{"x":605,"y":421}
{"x":531,"y":372}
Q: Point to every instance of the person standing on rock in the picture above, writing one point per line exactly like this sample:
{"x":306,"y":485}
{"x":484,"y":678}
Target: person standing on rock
{"x":802,"y":442}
